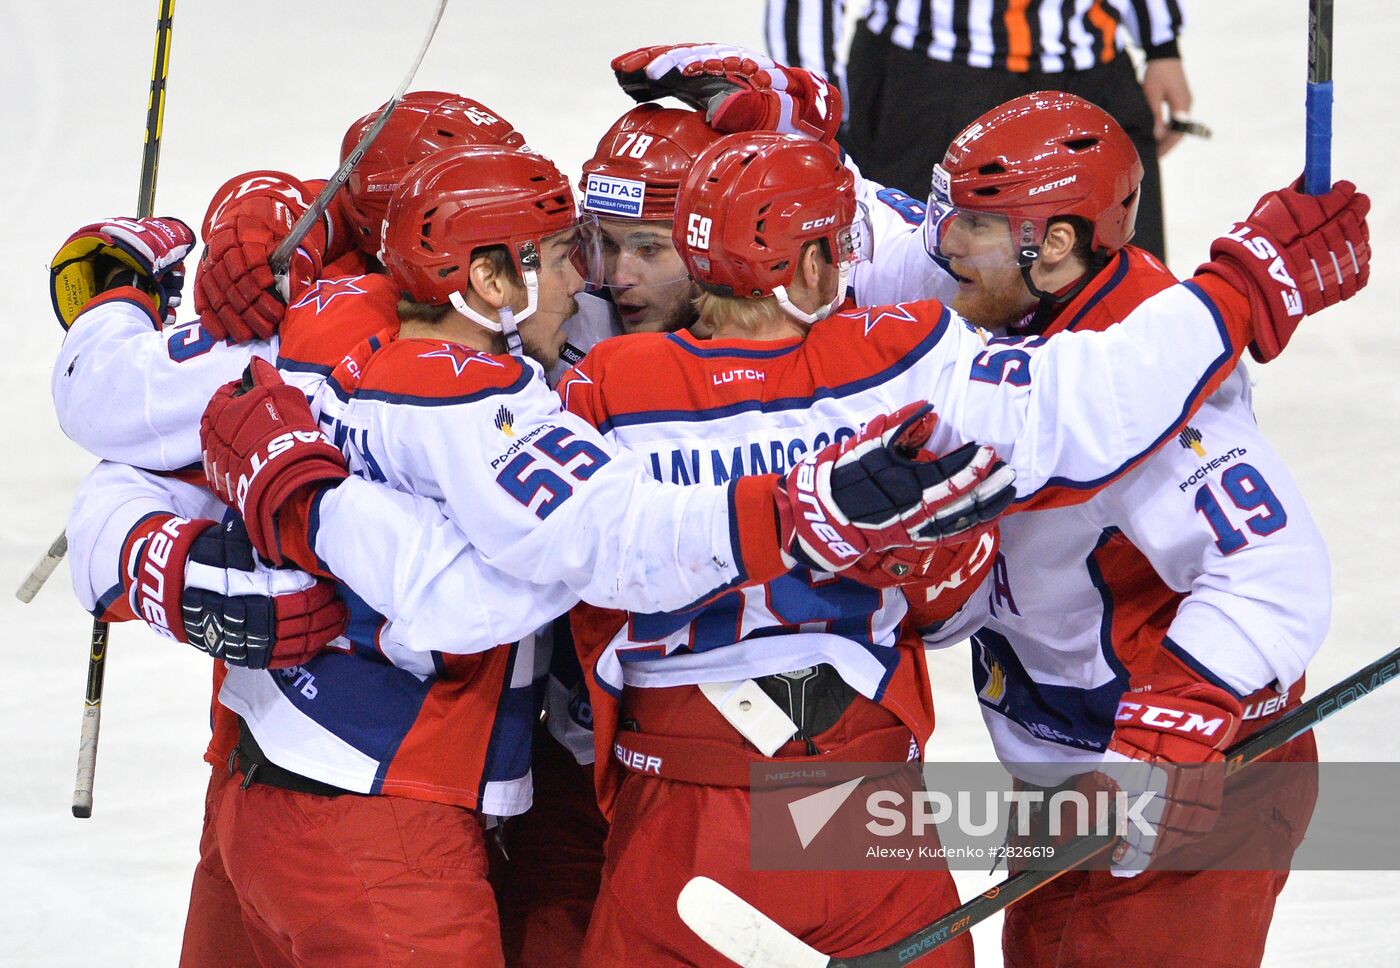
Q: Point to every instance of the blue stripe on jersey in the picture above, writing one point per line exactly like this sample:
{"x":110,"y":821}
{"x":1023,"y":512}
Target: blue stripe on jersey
{"x":508,"y":753}
{"x":106,"y":599}
{"x":362,"y":627}
{"x":521,"y":382}
{"x":297,"y":366}
{"x":1069,"y":715}
{"x":1226,"y":356}
{"x":786,"y":403}
{"x":719,"y":353}
{"x":1198,"y":667}
{"x":1119,"y":273}
{"x":370,"y":705}
{"x":1106,"y":597}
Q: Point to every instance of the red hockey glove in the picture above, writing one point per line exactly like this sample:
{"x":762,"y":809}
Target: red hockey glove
{"x":738,"y":89}
{"x":199,"y":582}
{"x":1170,"y":744}
{"x":236,"y":293}
{"x":879,"y":490}
{"x":1295,"y":255}
{"x":263,"y":453}
{"x":148,"y":253}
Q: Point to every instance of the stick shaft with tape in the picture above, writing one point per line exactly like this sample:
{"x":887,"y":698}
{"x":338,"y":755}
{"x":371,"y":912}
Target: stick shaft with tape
{"x":1317,"y":166}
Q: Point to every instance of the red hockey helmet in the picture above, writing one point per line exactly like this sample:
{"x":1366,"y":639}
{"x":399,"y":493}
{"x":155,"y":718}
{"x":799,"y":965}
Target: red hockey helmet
{"x":424,"y":122}
{"x":640,"y":163}
{"x":750,"y":203}
{"x":1040,"y":156}
{"x":463,"y":199}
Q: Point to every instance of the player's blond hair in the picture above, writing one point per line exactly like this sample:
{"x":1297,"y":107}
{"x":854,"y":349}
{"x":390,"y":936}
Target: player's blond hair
{"x":734,"y":311}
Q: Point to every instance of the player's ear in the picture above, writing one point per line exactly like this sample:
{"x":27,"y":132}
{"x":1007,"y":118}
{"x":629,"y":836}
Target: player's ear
{"x":488,"y":282}
{"x":1058,"y":246}
{"x":811,"y":265}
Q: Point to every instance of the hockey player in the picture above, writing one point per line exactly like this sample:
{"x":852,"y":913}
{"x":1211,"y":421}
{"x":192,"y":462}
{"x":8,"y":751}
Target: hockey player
{"x":759,"y":220}
{"x":1196,"y":584}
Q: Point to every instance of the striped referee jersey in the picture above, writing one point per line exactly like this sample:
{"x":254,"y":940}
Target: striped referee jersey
{"x":1013,"y":35}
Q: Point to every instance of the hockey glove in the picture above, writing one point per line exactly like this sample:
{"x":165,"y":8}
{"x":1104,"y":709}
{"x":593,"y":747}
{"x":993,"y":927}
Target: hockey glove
{"x":199,"y":582}
{"x":148,"y":253}
{"x":880,"y":490}
{"x":1170,"y":744}
{"x":265,"y":456}
{"x":1295,"y":255}
{"x":738,"y":89}
{"x":238,"y":297}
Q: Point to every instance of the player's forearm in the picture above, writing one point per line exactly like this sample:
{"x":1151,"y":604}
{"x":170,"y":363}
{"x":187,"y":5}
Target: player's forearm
{"x":412,"y":564}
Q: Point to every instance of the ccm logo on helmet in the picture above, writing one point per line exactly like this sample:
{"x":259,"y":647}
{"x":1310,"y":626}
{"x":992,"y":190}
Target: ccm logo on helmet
{"x":818,"y":223}
{"x":1053,"y":185}
{"x":1171,"y":720}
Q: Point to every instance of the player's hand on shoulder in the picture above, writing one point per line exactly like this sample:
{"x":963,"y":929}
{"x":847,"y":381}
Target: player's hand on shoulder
{"x":880,"y":490}
{"x":147,"y":253}
{"x":1295,"y":255}
{"x":738,"y":89}
{"x":236,"y":293}
{"x":199,"y":582}
{"x":265,"y":456}
{"x":1170,"y":742}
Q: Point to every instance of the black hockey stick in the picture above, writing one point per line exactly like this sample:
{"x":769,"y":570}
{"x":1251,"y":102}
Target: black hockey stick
{"x":145,"y":205}
{"x":742,"y":933}
{"x":281,"y":256}
{"x":1317,"y":165}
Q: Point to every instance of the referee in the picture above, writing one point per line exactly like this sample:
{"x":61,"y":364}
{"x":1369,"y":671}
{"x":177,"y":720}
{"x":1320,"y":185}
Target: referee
{"x":921,"y":70}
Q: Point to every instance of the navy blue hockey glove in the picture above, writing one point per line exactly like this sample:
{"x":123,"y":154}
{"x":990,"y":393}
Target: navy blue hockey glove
{"x":199,"y":582}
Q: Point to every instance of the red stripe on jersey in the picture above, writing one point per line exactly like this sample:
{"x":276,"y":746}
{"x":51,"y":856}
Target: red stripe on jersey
{"x":462,"y":703}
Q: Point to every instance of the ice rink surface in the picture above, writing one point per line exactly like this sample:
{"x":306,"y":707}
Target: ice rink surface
{"x":260,"y":84}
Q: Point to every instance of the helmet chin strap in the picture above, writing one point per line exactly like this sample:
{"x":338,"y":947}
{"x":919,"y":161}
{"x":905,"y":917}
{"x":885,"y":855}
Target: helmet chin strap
{"x":843,"y":277}
{"x":508,"y":320}
{"x":1049,"y":302}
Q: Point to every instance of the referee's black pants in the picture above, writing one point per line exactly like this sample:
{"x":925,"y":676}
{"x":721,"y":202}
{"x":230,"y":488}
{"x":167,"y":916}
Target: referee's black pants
{"x":905,"y":109}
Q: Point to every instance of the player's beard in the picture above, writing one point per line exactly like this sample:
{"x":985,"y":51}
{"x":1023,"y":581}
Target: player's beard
{"x":997,"y":306}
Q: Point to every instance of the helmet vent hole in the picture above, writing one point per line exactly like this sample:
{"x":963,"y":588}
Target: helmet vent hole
{"x":1081,"y":144}
{"x":427,"y":229}
{"x":446,"y":134}
{"x":994,"y":168}
{"x":446,"y":271}
{"x":987,"y":192}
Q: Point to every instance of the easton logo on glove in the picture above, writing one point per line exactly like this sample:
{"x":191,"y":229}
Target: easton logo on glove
{"x":258,"y":462}
{"x":1264,"y":251}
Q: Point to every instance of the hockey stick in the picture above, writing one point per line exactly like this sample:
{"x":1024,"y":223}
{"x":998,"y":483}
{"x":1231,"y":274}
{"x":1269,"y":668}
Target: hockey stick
{"x":742,"y":933}
{"x":145,"y":204}
{"x":282,"y":255}
{"x":1317,"y":166}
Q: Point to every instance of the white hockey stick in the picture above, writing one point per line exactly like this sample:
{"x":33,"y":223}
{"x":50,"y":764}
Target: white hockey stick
{"x":40,"y":573}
